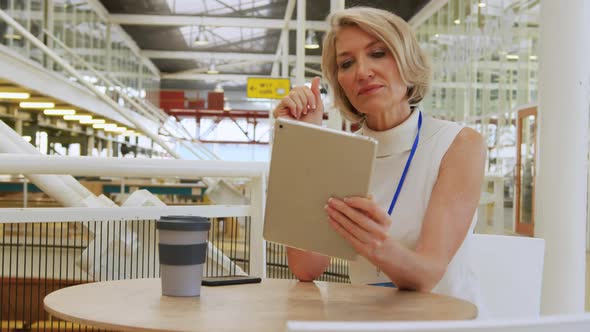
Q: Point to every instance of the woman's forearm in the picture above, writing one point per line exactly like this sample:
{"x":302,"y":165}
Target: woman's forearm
{"x":409,"y":269}
{"x":306,"y":265}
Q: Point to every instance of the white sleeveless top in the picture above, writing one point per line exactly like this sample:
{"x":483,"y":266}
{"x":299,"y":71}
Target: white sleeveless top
{"x":436,"y":136}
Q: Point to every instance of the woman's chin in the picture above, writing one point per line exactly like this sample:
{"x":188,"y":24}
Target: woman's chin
{"x":371,"y":108}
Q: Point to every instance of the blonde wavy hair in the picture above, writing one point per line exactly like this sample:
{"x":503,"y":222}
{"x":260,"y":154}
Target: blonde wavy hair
{"x":412,"y":62}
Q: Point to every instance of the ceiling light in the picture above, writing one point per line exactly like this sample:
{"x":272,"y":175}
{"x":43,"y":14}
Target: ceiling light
{"x":104,"y":125}
{"x":115,"y":129}
{"x":57,"y":111}
{"x":533,"y":57}
{"x":457,"y":21}
{"x":11,"y":34}
{"x":212,"y":69}
{"x":512,"y":56}
{"x":482,"y":4}
{"x":311,"y":42}
{"x":201,"y":39}
{"x":92,"y":121}
{"x":33,"y":104}
{"x":14,"y":95}
{"x":77,"y":117}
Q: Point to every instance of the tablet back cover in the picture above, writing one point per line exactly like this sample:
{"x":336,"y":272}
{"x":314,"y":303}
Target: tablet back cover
{"x":310,"y":164}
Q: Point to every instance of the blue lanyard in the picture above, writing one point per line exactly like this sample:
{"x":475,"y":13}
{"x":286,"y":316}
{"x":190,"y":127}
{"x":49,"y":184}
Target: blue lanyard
{"x":410,"y":157}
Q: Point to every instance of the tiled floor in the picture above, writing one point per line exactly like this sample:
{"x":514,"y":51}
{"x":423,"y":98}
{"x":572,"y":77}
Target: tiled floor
{"x":508,"y":217}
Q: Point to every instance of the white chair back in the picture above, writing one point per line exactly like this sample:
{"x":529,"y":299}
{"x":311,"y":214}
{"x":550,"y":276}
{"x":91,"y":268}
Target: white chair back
{"x":510,"y":270}
{"x":559,"y":323}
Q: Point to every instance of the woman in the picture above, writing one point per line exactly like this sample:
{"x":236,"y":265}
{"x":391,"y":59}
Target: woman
{"x":414,"y":229}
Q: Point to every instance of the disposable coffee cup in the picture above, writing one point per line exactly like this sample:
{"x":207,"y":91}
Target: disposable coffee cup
{"x":183,"y":248}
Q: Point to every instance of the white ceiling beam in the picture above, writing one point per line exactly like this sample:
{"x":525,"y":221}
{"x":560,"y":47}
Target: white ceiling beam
{"x":197,"y":55}
{"x":465,"y":85}
{"x":210,"y":77}
{"x":210,"y":21}
{"x":219,"y":67}
{"x":242,"y":78}
{"x":426,"y":12}
{"x":506,"y":65}
{"x":284,"y":35}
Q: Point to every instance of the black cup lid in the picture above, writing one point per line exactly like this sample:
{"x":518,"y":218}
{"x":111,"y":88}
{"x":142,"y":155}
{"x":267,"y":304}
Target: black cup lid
{"x":183,"y":223}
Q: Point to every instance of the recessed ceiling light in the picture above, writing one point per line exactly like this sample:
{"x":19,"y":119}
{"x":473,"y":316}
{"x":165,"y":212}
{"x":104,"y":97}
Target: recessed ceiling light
{"x":34,"y":104}
{"x":77,"y":117}
{"x":14,"y":95}
{"x":57,"y":111}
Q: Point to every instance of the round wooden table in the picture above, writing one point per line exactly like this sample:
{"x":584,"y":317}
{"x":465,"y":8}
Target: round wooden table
{"x":137,"y":304}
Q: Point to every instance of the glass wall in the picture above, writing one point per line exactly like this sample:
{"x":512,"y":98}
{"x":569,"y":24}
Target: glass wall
{"x":484,"y":55}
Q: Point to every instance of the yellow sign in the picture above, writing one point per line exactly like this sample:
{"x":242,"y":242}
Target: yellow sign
{"x":271,"y":88}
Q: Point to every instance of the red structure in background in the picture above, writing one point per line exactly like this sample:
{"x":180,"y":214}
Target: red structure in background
{"x":177,"y":104}
{"x":215,"y":100}
{"x":173,"y":101}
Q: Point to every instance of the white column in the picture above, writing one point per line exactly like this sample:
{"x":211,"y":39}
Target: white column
{"x":90,"y":147}
{"x":274,"y":72}
{"x":334,"y":117}
{"x":257,"y":242}
{"x":300,"y":51}
{"x":336,"y":5}
{"x":561,"y":185}
{"x":18,"y":122}
{"x":285,"y":56}
{"x":18,"y":126}
{"x":110,"y":145}
{"x":49,"y":25}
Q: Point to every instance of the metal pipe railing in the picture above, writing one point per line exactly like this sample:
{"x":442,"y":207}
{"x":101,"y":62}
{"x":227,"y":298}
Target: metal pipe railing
{"x":129,"y":167}
{"x":31,"y":164}
{"x":140,"y":105}
{"x":13,"y":143}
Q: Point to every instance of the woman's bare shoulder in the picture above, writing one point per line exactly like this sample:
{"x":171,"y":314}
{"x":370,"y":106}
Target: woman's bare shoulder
{"x":468,"y":145}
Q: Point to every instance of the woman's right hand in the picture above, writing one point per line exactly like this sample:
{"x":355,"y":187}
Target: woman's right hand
{"x":302,"y":103}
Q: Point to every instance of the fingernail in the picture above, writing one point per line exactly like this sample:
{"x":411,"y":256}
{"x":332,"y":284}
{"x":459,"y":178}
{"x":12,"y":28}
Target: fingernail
{"x":326,"y":207}
{"x":346,"y":199}
{"x":330,"y":200}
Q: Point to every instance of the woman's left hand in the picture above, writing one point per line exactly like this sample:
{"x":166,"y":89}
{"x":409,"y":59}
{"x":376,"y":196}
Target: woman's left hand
{"x":362,"y":223}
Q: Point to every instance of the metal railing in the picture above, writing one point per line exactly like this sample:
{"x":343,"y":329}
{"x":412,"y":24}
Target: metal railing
{"x":38,"y":258}
{"x":139,"y":105}
{"x":135,"y":104}
{"x":148,"y":168}
{"x":56,"y":247}
{"x":44,"y":249}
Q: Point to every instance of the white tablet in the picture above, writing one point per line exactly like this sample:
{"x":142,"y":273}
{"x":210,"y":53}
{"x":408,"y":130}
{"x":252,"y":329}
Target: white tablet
{"x":310,"y":164}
